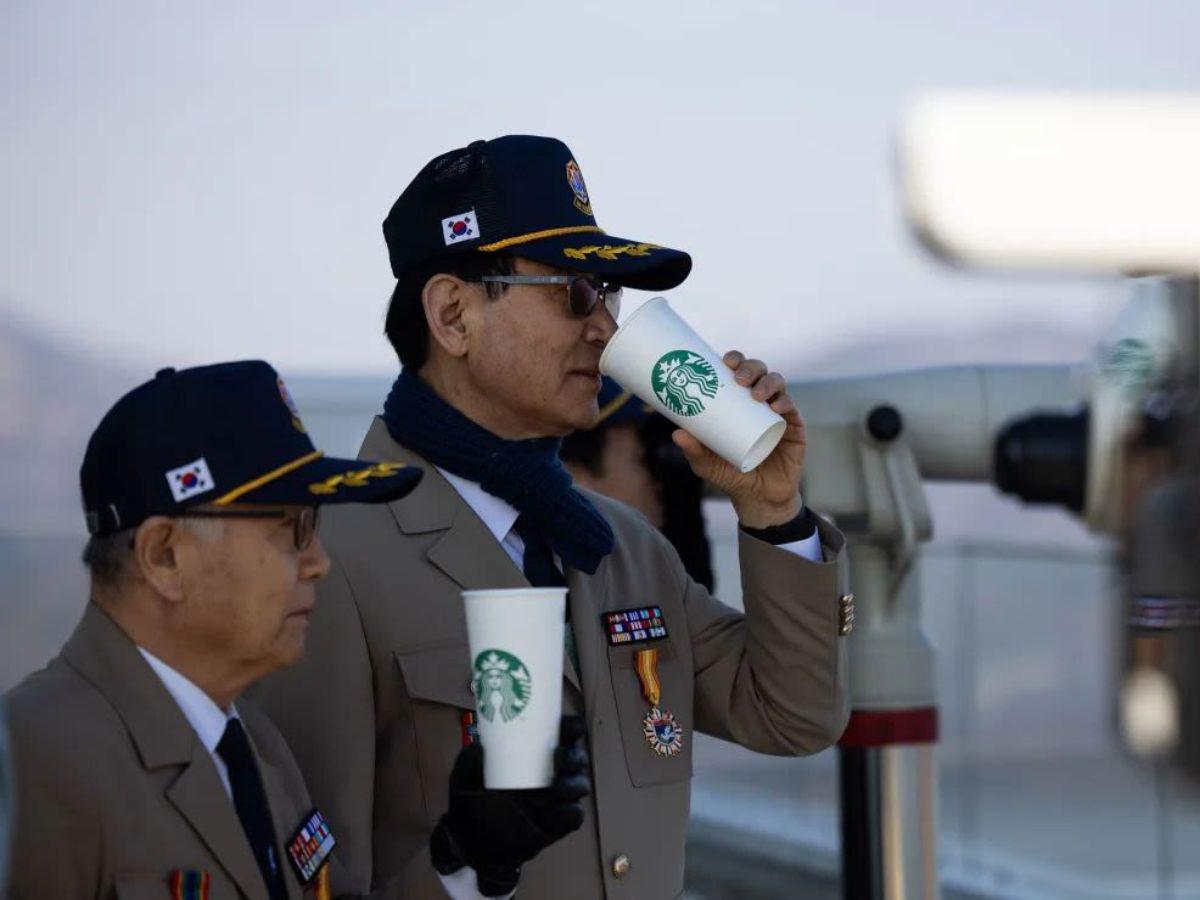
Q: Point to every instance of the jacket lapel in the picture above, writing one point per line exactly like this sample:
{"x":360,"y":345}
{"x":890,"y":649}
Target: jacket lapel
{"x":587,"y":595}
{"x":284,"y":814}
{"x":200,"y":797}
{"x":101,"y":652}
{"x":467,"y":553}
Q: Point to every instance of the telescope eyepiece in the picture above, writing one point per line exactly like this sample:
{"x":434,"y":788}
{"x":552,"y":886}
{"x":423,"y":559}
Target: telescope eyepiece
{"x":1042,"y":458}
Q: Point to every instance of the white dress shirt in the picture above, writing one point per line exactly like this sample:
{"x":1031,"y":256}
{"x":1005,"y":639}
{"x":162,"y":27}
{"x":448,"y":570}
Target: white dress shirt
{"x":206,"y":718}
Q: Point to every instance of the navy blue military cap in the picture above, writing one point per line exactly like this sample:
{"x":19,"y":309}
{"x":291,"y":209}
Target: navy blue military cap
{"x":219,"y":434}
{"x":524,"y":195}
{"x":619,"y":406}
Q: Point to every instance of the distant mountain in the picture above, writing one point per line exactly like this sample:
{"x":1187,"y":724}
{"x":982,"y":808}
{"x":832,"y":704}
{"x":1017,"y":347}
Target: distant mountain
{"x":51,"y":397}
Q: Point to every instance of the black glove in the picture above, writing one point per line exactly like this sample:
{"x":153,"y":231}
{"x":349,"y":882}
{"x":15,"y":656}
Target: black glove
{"x":494,"y":831}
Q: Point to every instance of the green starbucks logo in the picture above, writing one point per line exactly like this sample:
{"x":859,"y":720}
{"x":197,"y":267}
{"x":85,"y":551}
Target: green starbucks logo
{"x":684,"y":382}
{"x":501,"y":685}
{"x":1129,"y":363}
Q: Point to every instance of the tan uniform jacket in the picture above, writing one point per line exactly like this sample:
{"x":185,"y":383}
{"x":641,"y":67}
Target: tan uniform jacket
{"x":374,"y":712}
{"x":115,"y":791}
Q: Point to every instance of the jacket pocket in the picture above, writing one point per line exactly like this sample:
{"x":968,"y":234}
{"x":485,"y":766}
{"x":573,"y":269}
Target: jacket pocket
{"x":437,"y":681}
{"x":647,"y":765}
{"x":438,"y":673}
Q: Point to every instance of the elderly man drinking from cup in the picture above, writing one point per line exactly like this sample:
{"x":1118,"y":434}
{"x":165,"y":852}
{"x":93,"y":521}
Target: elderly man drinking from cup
{"x":508,"y":292}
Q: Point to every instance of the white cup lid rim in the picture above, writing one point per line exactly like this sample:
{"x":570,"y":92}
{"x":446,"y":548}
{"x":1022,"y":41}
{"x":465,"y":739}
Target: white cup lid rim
{"x":517,"y":591}
{"x":653,"y":301}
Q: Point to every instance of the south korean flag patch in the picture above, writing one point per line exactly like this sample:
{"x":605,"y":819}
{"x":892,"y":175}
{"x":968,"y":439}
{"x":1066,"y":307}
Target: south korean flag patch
{"x":460,"y":228}
{"x":190,"y":480}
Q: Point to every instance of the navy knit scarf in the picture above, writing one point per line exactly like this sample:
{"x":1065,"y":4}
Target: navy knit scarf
{"x":525,"y":474}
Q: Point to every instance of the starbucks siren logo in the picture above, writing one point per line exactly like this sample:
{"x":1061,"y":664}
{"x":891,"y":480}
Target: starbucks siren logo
{"x":684,"y":382}
{"x":501,"y":685}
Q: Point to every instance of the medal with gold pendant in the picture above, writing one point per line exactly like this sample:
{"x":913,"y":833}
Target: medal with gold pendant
{"x":663,"y":733}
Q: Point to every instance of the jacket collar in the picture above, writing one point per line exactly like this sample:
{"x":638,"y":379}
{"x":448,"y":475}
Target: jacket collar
{"x":107,"y":658}
{"x":467,"y":552}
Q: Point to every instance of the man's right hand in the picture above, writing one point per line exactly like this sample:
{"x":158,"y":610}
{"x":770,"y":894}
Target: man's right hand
{"x":495,"y":832}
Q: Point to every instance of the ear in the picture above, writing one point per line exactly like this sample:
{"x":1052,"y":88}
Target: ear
{"x":156,"y":556}
{"x":446,"y":300}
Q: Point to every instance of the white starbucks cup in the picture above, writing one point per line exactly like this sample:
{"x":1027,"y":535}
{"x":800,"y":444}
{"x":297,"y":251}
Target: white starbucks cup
{"x":516,"y":641}
{"x":657,"y":356}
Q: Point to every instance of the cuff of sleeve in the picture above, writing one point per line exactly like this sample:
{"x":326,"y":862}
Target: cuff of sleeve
{"x":809,"y":548}
{"x":800,"y":528}
{"x":447,"y":857}
{"x":463,"y":885}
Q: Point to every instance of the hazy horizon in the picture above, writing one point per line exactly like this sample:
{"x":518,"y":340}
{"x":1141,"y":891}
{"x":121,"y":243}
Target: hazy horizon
{"x":182,"y":185}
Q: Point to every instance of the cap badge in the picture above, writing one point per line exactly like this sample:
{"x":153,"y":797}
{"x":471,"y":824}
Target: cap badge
{"x":190,"y":480}
{"x":286,"y":396}
{"x":459,"y":228}
{"x":578,"y":188}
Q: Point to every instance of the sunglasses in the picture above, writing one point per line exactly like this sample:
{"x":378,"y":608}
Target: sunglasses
{"x":584,"y":292}
{"x":304,"y":527}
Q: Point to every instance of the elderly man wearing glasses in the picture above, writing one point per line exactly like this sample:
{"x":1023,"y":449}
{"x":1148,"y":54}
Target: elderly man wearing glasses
{"x":507,"y":293}
{"x":139,"y":770}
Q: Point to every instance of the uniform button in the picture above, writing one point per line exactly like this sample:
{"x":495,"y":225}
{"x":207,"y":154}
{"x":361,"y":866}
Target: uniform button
{"x":621,"y":865}
{"x":846,"y":604}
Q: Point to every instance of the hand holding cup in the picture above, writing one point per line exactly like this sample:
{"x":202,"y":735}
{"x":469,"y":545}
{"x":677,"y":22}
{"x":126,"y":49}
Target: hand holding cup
{"x":740,"y":431}
{"x":770,"y":493}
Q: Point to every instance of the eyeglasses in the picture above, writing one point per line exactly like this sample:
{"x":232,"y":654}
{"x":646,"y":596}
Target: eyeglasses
{"x":304,"y":527}
{"x":584,"y":292}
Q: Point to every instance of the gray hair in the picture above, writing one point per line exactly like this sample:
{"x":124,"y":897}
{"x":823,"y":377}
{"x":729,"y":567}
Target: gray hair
{"x":107,"y":557}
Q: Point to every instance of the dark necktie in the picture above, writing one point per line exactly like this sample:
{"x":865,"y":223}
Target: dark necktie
{"x":538,"y":565}
{"x":251,"y":803}
{"x":541,"y":570}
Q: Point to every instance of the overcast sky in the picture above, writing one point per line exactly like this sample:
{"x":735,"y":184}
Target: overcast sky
{"x":184,"y":182}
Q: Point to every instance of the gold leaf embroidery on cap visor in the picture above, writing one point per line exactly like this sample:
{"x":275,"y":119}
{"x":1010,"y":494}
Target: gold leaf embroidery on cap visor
{"x":610,"y":252}
{"x":355,"y":478}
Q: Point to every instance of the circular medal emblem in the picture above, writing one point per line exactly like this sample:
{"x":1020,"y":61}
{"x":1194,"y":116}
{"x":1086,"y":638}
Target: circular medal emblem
{"x":502,"y":685}
{"x":662,"y":732}
{"x":684,"y":382}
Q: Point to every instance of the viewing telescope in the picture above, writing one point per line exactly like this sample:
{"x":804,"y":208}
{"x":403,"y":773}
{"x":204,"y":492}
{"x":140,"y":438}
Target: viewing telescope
{"x":1099,"y":183}
{"x":1102,"y":183}
{"x":1047,"y":434}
